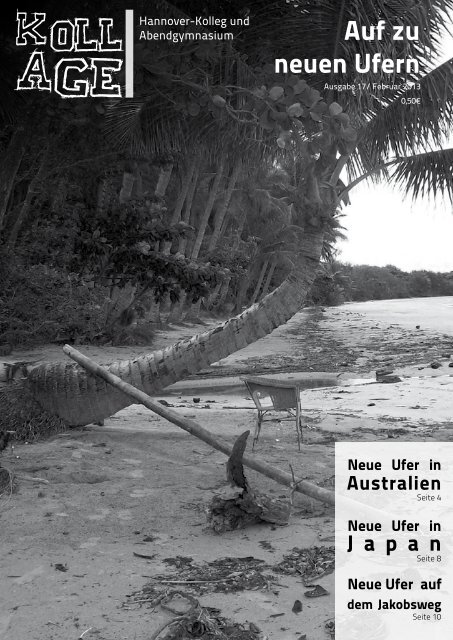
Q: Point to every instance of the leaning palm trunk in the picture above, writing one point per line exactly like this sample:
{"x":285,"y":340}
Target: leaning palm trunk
{"x":67,"y":391}
{"x":207,"y":210}
{"x":184,"y":190}
{"x":222,"y":213}
{"x":270,"y":273}
{"x":218,"y":303}
{"x":259,"y":282}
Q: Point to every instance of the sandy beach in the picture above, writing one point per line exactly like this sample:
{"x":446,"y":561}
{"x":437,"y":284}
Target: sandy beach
{"x":123,"y":508}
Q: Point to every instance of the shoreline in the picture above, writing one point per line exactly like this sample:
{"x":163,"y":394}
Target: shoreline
{"x":139,"y":485}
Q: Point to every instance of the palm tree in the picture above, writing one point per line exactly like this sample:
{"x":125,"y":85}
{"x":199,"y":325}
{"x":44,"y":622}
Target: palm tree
{"x":400,"y":134}
{"x":376,"y":138}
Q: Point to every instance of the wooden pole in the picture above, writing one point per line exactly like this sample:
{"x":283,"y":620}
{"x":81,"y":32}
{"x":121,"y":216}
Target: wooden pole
{"x":195,"y":429}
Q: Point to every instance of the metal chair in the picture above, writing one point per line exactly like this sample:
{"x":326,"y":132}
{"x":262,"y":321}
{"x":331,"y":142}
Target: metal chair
{"x":274,"y":395}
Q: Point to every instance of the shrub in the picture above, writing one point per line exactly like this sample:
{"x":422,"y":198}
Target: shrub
{"x":42,"y":304}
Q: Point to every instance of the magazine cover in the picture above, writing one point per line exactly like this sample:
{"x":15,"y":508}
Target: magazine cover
{"x":226,"y":320}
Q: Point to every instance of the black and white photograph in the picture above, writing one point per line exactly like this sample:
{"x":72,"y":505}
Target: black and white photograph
{"x":226,"y":320}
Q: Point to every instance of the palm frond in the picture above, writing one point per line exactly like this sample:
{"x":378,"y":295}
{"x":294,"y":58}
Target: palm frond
{"x":425,"y":174}
{"x":419,"y":118}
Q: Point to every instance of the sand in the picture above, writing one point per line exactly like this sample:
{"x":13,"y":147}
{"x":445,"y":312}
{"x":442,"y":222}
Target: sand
{"x":140,"y":484}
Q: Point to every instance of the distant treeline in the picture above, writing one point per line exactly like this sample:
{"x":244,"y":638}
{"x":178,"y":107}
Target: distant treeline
{"x":338,"y":283}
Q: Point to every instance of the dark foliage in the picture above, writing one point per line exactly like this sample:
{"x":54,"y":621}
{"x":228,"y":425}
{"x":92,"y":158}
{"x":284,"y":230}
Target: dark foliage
{"x":39,"y":303}
{"x":346,"y":283}
{"x":121,"y":246}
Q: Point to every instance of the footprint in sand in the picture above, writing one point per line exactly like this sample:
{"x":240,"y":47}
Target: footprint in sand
{"x":137,"y":473}
{"x":142,"y":493}
{"x":124,"y":514}
{"x":90,"y":542}
{"x":99,"y":516}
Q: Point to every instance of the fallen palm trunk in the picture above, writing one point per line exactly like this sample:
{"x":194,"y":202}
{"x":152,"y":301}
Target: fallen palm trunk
{"x":195,"y":429}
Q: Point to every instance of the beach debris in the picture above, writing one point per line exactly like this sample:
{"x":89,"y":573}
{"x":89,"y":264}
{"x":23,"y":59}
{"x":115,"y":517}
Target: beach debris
{"x":177,"y":591}
{"x":389,"y":379}
{"x":385,"y":375}
{"x":396,"y":433}
{"x":58,"y":566}
{"x":165,"y":403}
{"x":297,"y":606}
{"x":238,"y":505}
{"x":149,"y":537}
{"x":145,"y":556}
{"x":204,"y":623}
{"x":179,"y":603}
{"x":223,"y":575}
{"x":435,"y":364}
{"x":384,"y":371}
{"x":311,"y":564}
{"x":317,"y":592}
{"x":179,"y":562}
{"x":330,"y":628}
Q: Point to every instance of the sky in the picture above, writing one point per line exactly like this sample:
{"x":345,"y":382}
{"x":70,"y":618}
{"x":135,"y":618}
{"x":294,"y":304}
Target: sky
{"x":383,"y":227}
